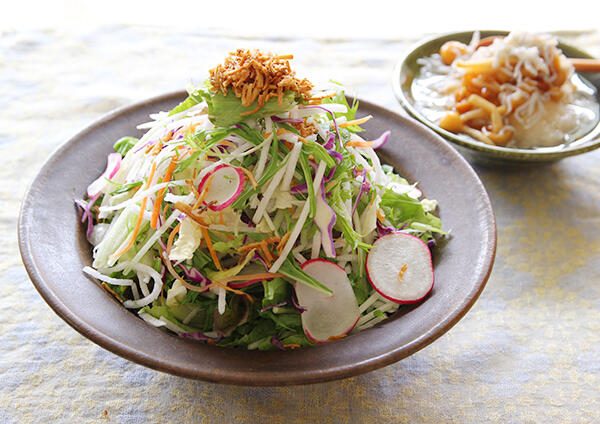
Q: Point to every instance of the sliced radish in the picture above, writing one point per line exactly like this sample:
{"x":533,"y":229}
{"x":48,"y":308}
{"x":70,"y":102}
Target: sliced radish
{"x":399,"y":268}
{"x":112,"y":166}
{"x":226,"y":184}
{"x":381,"y":140}
{"x":327,"y":316}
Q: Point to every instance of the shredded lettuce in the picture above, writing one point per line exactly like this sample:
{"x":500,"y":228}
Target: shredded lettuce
{"x":402,"y":209}
{"x":195,"y":97}
{"x":190,"y":237}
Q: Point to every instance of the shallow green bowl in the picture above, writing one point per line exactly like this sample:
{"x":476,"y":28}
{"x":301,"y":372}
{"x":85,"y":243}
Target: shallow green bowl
{"x":407,"y":69}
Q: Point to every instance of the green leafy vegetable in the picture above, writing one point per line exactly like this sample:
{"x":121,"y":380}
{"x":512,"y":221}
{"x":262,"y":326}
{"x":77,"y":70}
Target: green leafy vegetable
{"x":276,"y":291}
{"x":350,"y":115}
{"x":124,"y":145}
{"x":309,"y":183}
{"x":195,"y":97}
{"x":402,"y":209}
{"x":124,"y":188}
{"x":224,"y":111}
{"x":291,"y":270}
{"x":272,"y":167}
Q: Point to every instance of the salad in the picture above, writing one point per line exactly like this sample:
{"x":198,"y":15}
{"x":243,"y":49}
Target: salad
{"x":254,"y":215}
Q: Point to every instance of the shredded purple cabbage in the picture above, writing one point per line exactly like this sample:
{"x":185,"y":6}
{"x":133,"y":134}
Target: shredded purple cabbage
{"x":383,"y":230}
{"x":145,"y":144}
{"x":200,"y":336}
{"x":295,"y":303}
{"x":246,"y":220}
{"x":258,"y":258}
{"x":162,"y":244}
{"x":381,"y":140}
{"x":364,"y":188}
{"x":163,"y":268}
{"x":330,"y":142}
{"x":275,"y":342}
{"x":337,"y":131}
{"x":194,"y":275}
{"x":266,"y":308}
{"x":87,"y":212}
{"x":337,"y":155}
{"x":339,"y":158}
{"x":300,"y":188}
{"x":325,"y":228}
{"x":286,"y":120}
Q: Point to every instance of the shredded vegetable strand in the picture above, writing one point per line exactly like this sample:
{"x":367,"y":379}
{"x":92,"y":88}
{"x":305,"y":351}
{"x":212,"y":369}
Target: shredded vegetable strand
{"x":299,"y":223}
{"x":213,"y":253}
{"x":138,"y":223}
{"x":161,"y":195}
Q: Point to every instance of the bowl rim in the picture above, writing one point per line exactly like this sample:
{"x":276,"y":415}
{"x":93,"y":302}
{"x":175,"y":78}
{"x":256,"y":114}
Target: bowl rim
{"x":275,"y":378}
{"x":505,"y":153}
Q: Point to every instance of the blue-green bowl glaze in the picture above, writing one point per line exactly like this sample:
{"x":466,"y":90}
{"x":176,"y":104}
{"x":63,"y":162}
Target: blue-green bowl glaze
{"x":407,"y":69}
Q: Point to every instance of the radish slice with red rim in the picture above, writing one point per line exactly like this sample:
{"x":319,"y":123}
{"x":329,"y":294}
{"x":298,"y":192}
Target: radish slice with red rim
{"x":226,"y":184}
{"x":399,"y":268}
{"x":327,"y":317}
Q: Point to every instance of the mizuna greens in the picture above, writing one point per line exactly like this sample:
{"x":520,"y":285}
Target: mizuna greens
{"x":202,"y":226}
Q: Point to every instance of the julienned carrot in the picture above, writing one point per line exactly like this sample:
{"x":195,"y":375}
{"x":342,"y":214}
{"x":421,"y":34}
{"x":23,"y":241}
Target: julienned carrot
{"x":282,"y":242}
{"x":292,"y":346}
{"x":186,"y":209}
{"x":185,"y":283}
{"x":204,"y":192}
{"x":359,"y":144}
{"x":355,"y":122}
{"x":226,"y":287}
{"x":192,"y":187}
{"x":209,"y":244}
{"x":266,"y":254}
{"x":324,"y":96}
{"x":380,"y":216}
{"x":138,"y":223}
{"x":161,"y":195}
{"x":112,"y":292}
{"x":333,"y":338}
{"x":259,"y":276}
{"x":227,"y":143}
{"x":258,"y":244}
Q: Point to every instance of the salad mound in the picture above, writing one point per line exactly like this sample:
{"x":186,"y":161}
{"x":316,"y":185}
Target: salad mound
{"x":244,"y":216}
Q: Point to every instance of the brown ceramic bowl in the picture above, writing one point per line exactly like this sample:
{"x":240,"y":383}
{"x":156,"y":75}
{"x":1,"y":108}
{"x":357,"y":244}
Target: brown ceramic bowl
{"x":54,"y":250}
